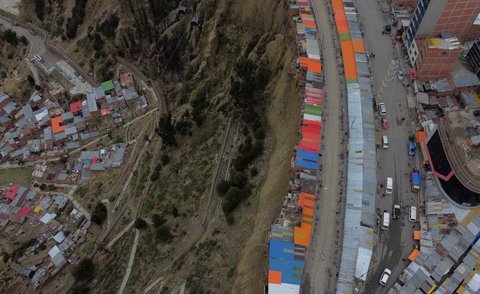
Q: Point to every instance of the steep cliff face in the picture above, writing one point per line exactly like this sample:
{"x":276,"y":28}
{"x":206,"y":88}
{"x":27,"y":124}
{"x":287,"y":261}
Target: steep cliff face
{"x":191,"y":61}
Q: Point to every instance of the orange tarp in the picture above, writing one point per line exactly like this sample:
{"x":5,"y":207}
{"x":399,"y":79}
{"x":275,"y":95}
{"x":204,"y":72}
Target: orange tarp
{"x":309,"y":24}
{"x":358,"y":46}
{"x":306,"y":16}
{"x":421,"y":136}
{"x":56,"y":127}
{"x":311,"y":64}
{"x":301,"y":235}
{"x":349,"y":60}
{"x":306,"y":200}
{"x":414,"y":255}
{"x":416,"y":235}
{"x":274,"y":277}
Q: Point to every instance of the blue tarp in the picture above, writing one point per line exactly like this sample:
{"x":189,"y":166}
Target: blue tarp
{"x":291,"y":269}
{"x":311,"y":156}
{"x":306,"y":164}
{"x":281,"y":249}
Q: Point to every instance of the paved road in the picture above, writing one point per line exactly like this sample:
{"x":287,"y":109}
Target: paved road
{"x":397,"y":243}
{"x":322,"y":260}
{"x":39,"y":44}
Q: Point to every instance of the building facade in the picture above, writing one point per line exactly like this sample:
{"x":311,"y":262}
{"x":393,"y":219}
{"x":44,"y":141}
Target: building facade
{"x":439,"y":19}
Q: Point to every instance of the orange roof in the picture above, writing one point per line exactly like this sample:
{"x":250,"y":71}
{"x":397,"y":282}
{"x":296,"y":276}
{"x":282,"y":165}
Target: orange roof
{"x":56,"y":127}
{"x":309,"y":24}
{"x":358,"y":46}
{"x":349,"y":60}
{"x":416,"y":235}
{"x":306,"y":200}
{"x":421,"y":136}
{"x":311,"y":64}
{"x":274,"y":277}
{"x":301,"y":235}
{"x":414,"y":255}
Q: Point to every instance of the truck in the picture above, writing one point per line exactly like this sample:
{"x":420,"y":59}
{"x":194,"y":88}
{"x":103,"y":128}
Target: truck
{"x":415,"y":180}
{"x":396,"y":211}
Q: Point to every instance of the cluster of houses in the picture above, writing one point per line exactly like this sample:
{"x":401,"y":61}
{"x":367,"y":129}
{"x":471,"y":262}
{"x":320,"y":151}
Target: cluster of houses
{"x":55,"y":228}
{"x":43,"y":128}
{"x":80,"y":168}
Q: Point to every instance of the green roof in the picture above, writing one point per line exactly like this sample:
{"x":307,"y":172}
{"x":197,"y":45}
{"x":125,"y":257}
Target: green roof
{"x":107,"y":86}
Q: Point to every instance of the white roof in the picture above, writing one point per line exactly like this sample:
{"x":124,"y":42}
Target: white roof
{"x":59,"y":237}
{"x":54,"y":251}
{"x":363,"y":262}
{"x":474,"y":283}
{"x":47,"y":217}
{"x":39,"y":116}
{"x":283,"y":288}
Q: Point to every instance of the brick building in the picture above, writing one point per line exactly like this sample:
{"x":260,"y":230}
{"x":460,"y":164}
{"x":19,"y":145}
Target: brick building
{"x":444,"y":22}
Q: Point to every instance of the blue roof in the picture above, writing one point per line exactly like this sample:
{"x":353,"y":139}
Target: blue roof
{"x":312,"y":156}
{"x":281,"y":249}
{"x":291,"y":269}
{"x":306,"y":164}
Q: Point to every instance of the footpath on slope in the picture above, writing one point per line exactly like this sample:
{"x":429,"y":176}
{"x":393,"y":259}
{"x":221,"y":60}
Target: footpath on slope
{"x":323,"y":258}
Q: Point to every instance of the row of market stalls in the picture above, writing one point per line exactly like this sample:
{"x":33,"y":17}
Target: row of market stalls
{"x":358,"y":235}
{"x":290,"y":235}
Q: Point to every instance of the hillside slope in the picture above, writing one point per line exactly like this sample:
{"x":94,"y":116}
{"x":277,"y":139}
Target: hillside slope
{"x":237,"y":63}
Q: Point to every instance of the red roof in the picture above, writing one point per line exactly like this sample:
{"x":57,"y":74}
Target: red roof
{"x":76,"y":106}
{"x":24,"y":211}
{"x":12,"y":191}
{"x":105,"y":111}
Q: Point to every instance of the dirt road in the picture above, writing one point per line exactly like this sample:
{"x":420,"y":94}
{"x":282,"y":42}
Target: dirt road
{"x":320,"y":268}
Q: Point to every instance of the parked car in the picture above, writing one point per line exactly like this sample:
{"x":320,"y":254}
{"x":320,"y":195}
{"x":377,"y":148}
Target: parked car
{"x":382,"y":108}
{"x":384,"y":123}
{"x":400,"y":75}
{"x":411,"y":148}
{"x":384,"y":277}
{"x":38,"y":58}
{"x":33,"y":32}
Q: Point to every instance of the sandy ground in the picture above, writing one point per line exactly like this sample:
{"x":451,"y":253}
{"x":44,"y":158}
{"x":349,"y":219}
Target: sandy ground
{"x":10,"y":6}
{"x":283,"y":116}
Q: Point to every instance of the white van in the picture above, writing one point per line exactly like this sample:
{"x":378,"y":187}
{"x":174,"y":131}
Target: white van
{"x":38,"y":58}
{"x":385,"y":142}
{"x":413,"y":214}
{"x":386,"y":221}
{"x":389,"y":185}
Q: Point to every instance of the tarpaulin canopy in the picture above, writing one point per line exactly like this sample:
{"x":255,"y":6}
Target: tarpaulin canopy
{"x":414,"y":255}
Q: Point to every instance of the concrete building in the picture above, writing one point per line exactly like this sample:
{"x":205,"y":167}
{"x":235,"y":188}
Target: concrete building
{"x":473,"y":57}
{"x":439,"y":19}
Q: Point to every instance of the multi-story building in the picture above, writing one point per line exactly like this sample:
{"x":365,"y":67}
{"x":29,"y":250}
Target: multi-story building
{"x":473,"y":57}
{"x":438,"y":19}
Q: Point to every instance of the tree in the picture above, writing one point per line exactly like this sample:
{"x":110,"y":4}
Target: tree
{"x":99,"y":213}
{"x":39,"y":8}
{"x":166,"y":130}
{"x":165,"y":159}
{"x":140,"y":224}
{"x":222,"y":187}
{"x":84,"y":270}
{"x":163,"y":234}
{"x":158,"y":220}
{"x":30,"y":80}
